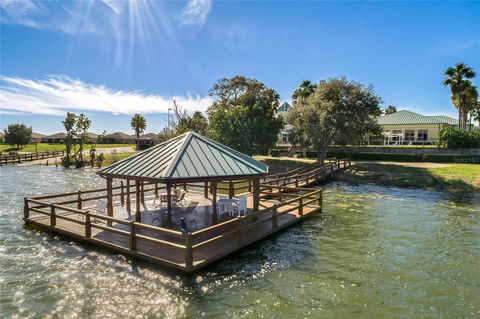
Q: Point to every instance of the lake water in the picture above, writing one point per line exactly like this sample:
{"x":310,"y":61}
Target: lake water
{"x":374,"y":252}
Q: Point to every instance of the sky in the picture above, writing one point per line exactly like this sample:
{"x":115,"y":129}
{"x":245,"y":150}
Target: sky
{"x":110,"y":59}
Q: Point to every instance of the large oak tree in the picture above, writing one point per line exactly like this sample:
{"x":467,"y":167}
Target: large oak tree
{"x":338,"y":111}
{"x":243,"y":115}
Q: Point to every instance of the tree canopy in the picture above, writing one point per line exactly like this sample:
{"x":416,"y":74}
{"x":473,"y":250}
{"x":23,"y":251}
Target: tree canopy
{"x":18,"y":135}
{"x":69,"y":124}
{"x":81,"y":128}
{"x":243,"y":115}
{"x":138,"y":124}
{"x":338,"y":111}
{"x":390,"y":109}
{"x":457,"y":78}
{"x":305,"y":89}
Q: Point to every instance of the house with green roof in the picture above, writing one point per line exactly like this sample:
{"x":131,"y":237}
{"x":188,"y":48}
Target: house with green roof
{"x":284,"y":135}
{"x":407,"y":127}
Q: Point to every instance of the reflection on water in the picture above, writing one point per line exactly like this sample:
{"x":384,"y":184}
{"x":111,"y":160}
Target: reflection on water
{"x":374,"y":252}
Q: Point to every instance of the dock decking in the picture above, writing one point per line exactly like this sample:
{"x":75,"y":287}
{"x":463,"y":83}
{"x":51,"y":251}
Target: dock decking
{"x":284,"y":200}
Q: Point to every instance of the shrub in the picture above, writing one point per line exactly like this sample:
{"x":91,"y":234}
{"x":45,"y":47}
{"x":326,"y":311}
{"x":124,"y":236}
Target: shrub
{"x":451,"y":137}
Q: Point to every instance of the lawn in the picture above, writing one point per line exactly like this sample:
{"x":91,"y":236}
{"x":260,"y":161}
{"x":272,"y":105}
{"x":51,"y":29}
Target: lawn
{"x":43,"y":147}
{"x":460,"y":178}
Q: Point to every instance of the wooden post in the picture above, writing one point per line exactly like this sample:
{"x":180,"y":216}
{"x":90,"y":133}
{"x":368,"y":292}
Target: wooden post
{"x":185,"y":186}
{"x":249,"y":186}
{"x":122,"y":194}
{"x":26,"y":210}
{"x":133,"y":238}
{"x":143,"y":193}
{"x":156,"y":190}
{"x":256,"y":194}
{"x":109,"y":200}
{"x":274,"y":217}
{"x":169,"y":205}
{"x":79,"y":200}
{"x":88,"y":226}
{"x":138,"y":217}
{"x":231,"y":191}
{"x":214,"y":202}
{"x":53,"y":220}
{"x":320,"y":199}
{"x":129,"y":207}
{"x":188,"y":252}
{"x":300,"y":206}
{"x":279,"y":194}
{"x":205,"y":190}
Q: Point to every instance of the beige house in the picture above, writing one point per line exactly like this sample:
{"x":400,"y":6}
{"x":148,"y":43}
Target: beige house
{"x":284,"y":135}
{"x":408,"y":128}
{"x":37,"y":137}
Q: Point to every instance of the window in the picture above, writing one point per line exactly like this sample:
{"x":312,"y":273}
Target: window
{"x":409,"y":135}
{"x":285,"y":138}
{"x":422,"y":135}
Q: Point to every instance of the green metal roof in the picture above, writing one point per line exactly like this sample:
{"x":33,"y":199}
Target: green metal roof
{"x":408,"y":117}
{"x":444,"y":119}
{"x":284,"y":107}
{"x":188,"y":156}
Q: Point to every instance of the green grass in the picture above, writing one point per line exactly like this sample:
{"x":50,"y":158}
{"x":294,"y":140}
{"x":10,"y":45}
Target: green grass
{"x":458,"y":179}
{"x":113,"y":158}
{"x":44,"y":147}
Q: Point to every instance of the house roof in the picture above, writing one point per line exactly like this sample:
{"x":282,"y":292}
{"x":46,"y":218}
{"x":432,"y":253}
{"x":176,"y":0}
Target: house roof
{"x":92,"y":135}
{"x":118,"y":135}
{"x":444,"y":119}
{"x":56,"y":135}
{"x":408,"y":117}
{"x":145,"y":136}
{"x":37,"y":135}
{"x":189,"y":156}
{"x":284,"y":107}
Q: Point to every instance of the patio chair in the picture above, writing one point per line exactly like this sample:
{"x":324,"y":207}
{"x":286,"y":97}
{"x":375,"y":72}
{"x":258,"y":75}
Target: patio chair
{"x":240,"y":208}
{"x":100,"y":208}
{"x":181,"y":199}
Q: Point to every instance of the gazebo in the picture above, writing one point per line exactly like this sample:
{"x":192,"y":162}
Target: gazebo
{"x":188,"y":158}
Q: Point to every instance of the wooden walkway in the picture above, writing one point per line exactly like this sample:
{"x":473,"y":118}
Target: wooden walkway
{"x":284,"y":201}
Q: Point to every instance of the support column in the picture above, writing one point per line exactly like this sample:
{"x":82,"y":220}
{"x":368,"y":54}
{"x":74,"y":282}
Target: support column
{"x":231,"y":191}
{"x":138,"y":217}
{"x":169,"y":205}
{"x":143,"y":193}
{"x":256,"y":194}
{"x":205,"y":190}
{"x":122,"y":194}
{"x":109,"y":197}
{"x":214,"y":202}
{"x":129,"y":207}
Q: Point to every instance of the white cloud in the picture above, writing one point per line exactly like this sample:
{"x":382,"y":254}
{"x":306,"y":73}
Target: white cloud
{"x":195,"y":12}
{"x":57,"y":95}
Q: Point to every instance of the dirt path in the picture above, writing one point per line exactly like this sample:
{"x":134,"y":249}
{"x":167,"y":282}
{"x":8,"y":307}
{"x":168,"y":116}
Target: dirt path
{"x":408,"y":164}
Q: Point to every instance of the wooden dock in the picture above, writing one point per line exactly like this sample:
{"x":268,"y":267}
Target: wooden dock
{"x":284,"y":199}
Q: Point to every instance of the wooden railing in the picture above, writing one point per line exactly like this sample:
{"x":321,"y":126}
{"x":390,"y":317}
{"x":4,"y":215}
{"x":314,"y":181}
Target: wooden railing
{"x":19,"y":158}
{"x":222,"y":238}
{"x":134,"y":232}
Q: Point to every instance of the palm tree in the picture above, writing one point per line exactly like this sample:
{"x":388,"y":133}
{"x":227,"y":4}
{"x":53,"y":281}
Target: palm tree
{"x":139,"y":124}
{"x":457,"y":78}
{"x":390,"y":109}
{"x":305,"y":89}
{"x":472,"y":103}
